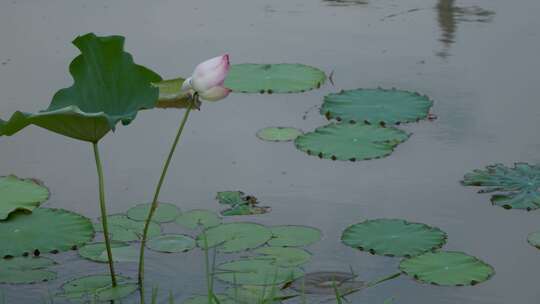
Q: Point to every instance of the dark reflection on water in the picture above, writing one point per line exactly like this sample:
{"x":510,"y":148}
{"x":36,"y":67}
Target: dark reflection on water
{"x":448,"y":17}
{"x":345,"y":2}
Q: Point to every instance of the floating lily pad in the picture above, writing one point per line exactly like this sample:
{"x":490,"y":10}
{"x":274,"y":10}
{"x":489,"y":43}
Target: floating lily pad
{"x":44,"y":230}
{"x":240,"y":204}
{"x":393,"y":237}
{"x":25,"y":270}
{"x":256,"y":272}
{"x":245,"y":210}
{"x":283,"y":256}
{"x":294,"y":236}
{"x":518,"y":186}
{"x":348,"y":141}
{"x":325,"y":283}
{"x":273,"y":78}
{"x":164,"y":213}
{"x":223,"y":299}
{"x":171,"y":243}
{"x":198,"y":217}
{"x":231,"y":197}
{"x":534,"y":239}
{"x":249,"y":294}
{"x":108,"y":88}
{"x":376,"y":106}
{"x":235,"y":237}
{"x":124,"y":229}
{"x":279,"y":134}
{"x":171,"y":95}
{"x":121,"y":252}
{"x":20,"y":194}
{"x":447,"y":268}
{"x":97,"y":287}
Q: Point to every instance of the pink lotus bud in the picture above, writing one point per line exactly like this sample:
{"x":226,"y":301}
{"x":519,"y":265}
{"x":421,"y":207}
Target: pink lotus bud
{"x":209,"y":74}
{"x":215,"y":93}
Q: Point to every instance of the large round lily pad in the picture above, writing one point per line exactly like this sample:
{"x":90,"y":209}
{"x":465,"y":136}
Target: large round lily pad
{"x":20,"y":194}
{"x":25,"y":270}
{"x":376,"y":106}
{"x":326,"y":282}
{"x":256,"y":272}
{"x":534,"y":239}
{"x":278,"y":134}
{"x":273,"y":78}
{"x":351,"y":141}
{"x":447,"y":268}
{"x":44,"y":230}
{"x":124,"y":229}
{"x":283,"y":256}
{"x":198,"y":217}
{"x":97,"y":287}
{"x":171,"y":243}
{"x":518,"y":187}
{"x":393,"y":237}
{"x":234,"y":237}
{"x":294,"y":236}
{"x":164,"y":213}
{"x":121,"y":252}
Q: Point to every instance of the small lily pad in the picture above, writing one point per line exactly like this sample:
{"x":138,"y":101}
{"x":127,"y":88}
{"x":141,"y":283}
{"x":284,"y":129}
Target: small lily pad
{"x":376,"y":106}
{"x":20,"y":194}
{"x":42,"y":231}
{"x":234,"y":237}
{"x":518,"y":186}
{"x":447,"y":268}
{"x":231,"y":197}
{"x":97,"y":287}
{"x":240,"y":204}
{"x":121,"y":252}
{"x":279,"y":134}
{"x":534,"y":239}
{"x":351,"y":141}
{"x":25,"y":270}
{"x":124,"y":229}
{"x":273,"y":78}
{"x":198,"y":217}
{"x":171,"y":243}
{"x":294,"y":236}
{"x":283,"y":256}
{"x":164,"y":213}
{"x":393,"y":237}
{"x":256,"y":272}
{"x":325,"y":283}
{"x":223,"y":299}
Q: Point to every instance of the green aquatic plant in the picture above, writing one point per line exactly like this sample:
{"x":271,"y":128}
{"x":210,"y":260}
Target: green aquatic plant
{"x":294,"y":236}
{"x":283,"y":256}
{"x":534,"y":239}
{"x":234,"y":237}
{"x":164,"y":213}
{"x":97,"y":288}
{"x":124,"y":229}
{"x":170,"y":243}
{"x":278,"y":134}
{"x":24,"y":270}
{"x":20,"y":194}
{"x":254,"y":271}
{"x":97,"y":252}
{"x":240,"y":204}
{"x":198,"y":218}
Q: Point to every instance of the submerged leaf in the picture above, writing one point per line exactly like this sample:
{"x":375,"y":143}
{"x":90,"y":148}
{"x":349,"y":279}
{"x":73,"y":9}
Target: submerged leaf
{"x":234,"y":237}
{"x":164,"y":213}
{"x":279,"y":134}
{"x":171,"y":243}
{"x":198,"y":217}
{"x":325,"y":283}
{"x":20,"y":194}
{"x":97,"y":287}
{"x":25,"y":270}
{"x":256,"y":272}
{"x":108,"y":87}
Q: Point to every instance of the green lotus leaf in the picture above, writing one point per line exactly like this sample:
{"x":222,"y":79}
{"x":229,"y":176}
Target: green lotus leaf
{"x":273,"y":78}
{"x":534,"y":239}
{"x":164,"y":213}
{"x":393,"y":237}
{"x":234,"y":237}
{"x":108,"y":87}
{"x":326,"y":283}
{"x":376,"y":106}
{"x":222,"y":298}
{"x":25,"y":270}
{"x":198,"y":217}
{"x":279,"y":134}
{"x":20,"y":194}
{"x":294,"y":236}
{"x":121,"y":252}
{"x":97,"y":287}
{"x":231,"y":197}
{"x":283,"y":256}
{"x":256,"y":272}
{"x":44,"y":230}
{"x":518,"y":186}
{"x":124,"y":229}
{"x":245,"y":210}
{"x":447,"y":268}
{"x":249,"y":294}
{"x":347,"y":141}
{"x":171,"y":95}
{"x":171,"y":243}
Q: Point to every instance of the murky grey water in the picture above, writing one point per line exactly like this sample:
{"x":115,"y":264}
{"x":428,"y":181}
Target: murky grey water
{"x":480,"y":67}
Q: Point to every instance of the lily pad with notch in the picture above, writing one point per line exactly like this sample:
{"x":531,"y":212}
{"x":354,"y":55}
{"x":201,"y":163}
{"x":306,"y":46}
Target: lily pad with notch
{"x":234,"y":237}
{"x":20,"y":194}
{"x":164,"y":213}
{"x":26,"y":270}
{"x":294,"y":236}
{"x":124,"y":229}
{"x":97,"y":287}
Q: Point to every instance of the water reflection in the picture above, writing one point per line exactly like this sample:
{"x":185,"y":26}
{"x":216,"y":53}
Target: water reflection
{"x":345,"y":2}
{"x":448,"y":15}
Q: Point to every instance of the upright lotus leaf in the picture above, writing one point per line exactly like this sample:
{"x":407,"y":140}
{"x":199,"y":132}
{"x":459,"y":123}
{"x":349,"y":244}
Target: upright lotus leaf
{"x":447,"y":268}
{"x":171,"y":94}
{"x":25,"y":270}
{"x":164,"y":213}
{"x":283,"y":256}
{"x":198,"y":217}
{"x":376,"y":106}
{"x":20,"y":194}
{"x":519,"y":186}
{"x":108,"y":87}
{"x":279,"y":134}
{"x":97,"y":287}
{"x":534,"y":239}
{"x":351,"y":141}
{"x":294,"y":236}
{"x":234,"y":237}
{"x":124,"y":229}
{"x":325,"y":283}
{"x":121,"y":252}
{"x":393,"y":237}
{"x":273,"y":78}
{"x":256,"y":272}
{"x":171,"y":243}
{"x":44,"y":230}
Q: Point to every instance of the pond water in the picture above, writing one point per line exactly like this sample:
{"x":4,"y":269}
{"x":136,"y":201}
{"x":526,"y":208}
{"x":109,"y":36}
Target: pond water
{"x":476,"y":59}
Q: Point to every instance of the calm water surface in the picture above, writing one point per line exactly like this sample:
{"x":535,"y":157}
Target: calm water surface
{"x":477,"y":59}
